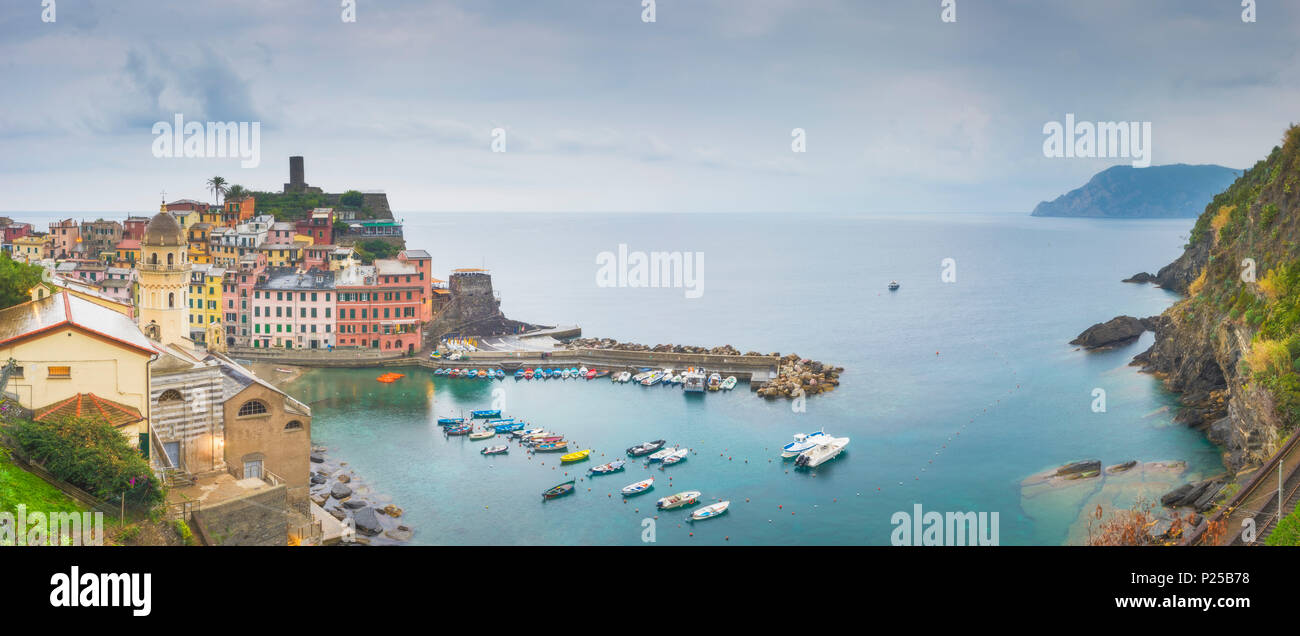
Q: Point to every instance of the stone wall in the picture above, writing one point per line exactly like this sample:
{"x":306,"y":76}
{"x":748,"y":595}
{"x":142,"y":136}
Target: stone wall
{"x":260,"y":518}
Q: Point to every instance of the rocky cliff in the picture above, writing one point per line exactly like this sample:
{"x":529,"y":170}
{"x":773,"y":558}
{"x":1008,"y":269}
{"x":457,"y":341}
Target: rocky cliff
{"x":1125,"y":192}
{"x":1232,"y":346}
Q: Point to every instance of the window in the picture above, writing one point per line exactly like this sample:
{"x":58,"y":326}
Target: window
{"x":171,"y":300}
{"x":60,"y":372}
{"x":170,"y":395}
{"x":252,"y":407}
{"x":18,"y":372}
{"x":293,"y":425}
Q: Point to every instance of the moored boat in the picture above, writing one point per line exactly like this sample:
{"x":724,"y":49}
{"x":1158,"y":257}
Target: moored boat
{"x":687,"y":498}
{"x":646,"y":448}
{"x":729,"y":383}
{"x":893,"y":285}
{"x":611,"y":467}
{"x":559,"y":490}
{"x":675,"y":457}
{"x":500,"y":449}
{"x":551,"y":447}
{"x":623,"y":377}
{"x":459,"y":430}
{"x":447,"y":421}
{"x":801,"y":443}
{"x":659,"y":456}
{"x":643,"y":486}
{"x":590,"y":374}
{"x":483,"y":434}
{"x":828,"y":449}
{"x":508,"y":427}
{"x":693,"y":381}
{"x":715,"y":381}
{"x":576,"y":456}
{"x":485,"y":414}
{"x":710,"y":511}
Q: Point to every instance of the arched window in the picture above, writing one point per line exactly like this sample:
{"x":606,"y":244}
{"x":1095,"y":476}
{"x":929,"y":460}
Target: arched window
{"x":252,"y":407}
{"x":170,"y":395}
{"x":153,"y":258}
{"x":293,"y":425}
{"x":171,"y":258}
{"x":171,"y":300}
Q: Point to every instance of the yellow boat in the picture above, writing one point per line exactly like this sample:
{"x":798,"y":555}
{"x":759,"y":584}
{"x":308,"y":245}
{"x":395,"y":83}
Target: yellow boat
{"x":575,"y":457}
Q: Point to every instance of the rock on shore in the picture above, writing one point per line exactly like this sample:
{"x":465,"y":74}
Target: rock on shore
{"x":798,"y":376}
{"x":340,"y":492}
{"x":1116,"y":331}
{"x":1140,"y":277}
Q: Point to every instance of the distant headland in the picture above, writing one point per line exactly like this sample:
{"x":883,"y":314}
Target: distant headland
{"x":1158,"y":192}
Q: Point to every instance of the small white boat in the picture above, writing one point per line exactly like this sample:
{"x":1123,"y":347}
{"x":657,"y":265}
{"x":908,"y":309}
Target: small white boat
{"x":828,"y":449}
{"x":729,"y":383}
{"x":639,"y":487}
{"x":652,"y":379}
{"x":801,"y":443}
{"x":527,"y":432}
{"x":623,"y":377}
{"x":582,"y":372}
{"x":710,"y":511}
{"x":484,"y":434}
{"x":893,"y":285}
{"x":676,"y":456}
{"x":641,"y":376}
{"x":690,"y":497}
{"x":659,"y":456}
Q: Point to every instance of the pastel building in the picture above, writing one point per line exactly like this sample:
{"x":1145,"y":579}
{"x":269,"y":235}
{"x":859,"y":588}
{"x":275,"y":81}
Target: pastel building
{"x":384,"y":306}
{"x":237,"y":293}
{"x":65,"y":235}
{"x":294,"y":309}
{"x":206,"y":294}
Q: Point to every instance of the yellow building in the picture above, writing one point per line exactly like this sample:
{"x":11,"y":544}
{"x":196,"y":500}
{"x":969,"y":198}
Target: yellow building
{"x":164,"y":281}
{"x":198,"y":243}
{"x":205,"y":300}
{"x":31,"y":248}
{"x":73,"y":357}
{"x":282,"y":254}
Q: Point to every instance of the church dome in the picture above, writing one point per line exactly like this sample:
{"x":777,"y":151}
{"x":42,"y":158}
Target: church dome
{"x":163,"y":231}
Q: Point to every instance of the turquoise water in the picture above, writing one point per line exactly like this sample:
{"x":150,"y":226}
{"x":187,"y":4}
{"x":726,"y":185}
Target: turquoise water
{"x":1006,"y":387}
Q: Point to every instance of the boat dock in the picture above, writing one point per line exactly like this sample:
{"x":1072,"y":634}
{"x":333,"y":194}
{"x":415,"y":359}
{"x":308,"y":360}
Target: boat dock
{"x":757,"y":370}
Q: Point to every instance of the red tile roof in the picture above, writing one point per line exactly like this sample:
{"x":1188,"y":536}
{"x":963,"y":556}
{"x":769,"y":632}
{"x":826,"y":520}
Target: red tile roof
{"x":91,"y":406}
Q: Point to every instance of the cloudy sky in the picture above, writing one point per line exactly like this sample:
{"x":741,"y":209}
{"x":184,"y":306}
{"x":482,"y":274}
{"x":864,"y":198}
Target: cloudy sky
{"x":605,"y":112}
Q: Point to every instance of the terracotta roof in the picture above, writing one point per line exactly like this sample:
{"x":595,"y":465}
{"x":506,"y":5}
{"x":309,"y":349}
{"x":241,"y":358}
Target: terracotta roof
{"x":92,"y":406}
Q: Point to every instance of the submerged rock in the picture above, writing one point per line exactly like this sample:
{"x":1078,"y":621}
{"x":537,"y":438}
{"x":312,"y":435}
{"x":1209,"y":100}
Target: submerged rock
{"x":1140,"y":277}
{"x":1081,"y":469}
{"x":1123,"y":467}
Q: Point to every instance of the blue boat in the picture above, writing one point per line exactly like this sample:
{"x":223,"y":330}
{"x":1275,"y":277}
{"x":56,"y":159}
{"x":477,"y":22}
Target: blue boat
{"x":519,"y":373}
{"x":448,"y":421}
{"x":460,"y":430}
{"x":512,"y":426}
{"x":485,"y":413}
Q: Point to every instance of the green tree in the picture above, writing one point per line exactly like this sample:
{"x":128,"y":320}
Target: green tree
{"x":351,"y":199}
{"x":236,"y":193}
{"x":16,"y":281}
{"x":91,"y":455}
{"x":218,"y":187}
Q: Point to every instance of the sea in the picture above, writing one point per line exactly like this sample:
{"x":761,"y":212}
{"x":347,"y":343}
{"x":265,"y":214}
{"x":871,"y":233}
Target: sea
{"x":957,"y":388}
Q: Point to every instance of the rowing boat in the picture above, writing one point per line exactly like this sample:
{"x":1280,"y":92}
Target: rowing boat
{"x":612,"y":467}
{"x":552,"y":447}
{"x":575,"y":456}
{"x":710,"y":511}
{"x":643,"y":486}
{"x":559,"y":491}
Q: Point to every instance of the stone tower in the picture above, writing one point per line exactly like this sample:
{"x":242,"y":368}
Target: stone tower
{"x":164,"y":275}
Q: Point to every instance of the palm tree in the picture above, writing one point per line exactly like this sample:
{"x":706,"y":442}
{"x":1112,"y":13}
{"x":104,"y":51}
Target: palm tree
{"x":236,"y":193}
{"x":218,"y":187}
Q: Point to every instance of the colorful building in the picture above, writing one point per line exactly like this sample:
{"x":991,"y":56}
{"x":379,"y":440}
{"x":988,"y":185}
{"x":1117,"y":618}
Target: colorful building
{"x":205,"y":303}
{"x":294,"y":309}
{"x":65,"y":235}
{"x":237,"y":293}
{"x":31,"y":248}
{"x":128,"y":251}
{"x":199,"y":249}
{"x":319,"y":226}
{"x":384,"y":306}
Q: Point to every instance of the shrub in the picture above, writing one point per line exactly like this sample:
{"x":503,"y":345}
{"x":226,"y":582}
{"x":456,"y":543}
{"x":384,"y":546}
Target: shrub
{"x":1287,"y":531}
{"x":91,"y":455}
{"x":350,"y":199}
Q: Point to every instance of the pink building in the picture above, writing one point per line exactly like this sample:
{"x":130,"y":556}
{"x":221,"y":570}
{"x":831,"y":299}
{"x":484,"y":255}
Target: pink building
{"x":385,"y":305}
{"x":293,"y":309}
{"x":65,"y":235}
{"x":237,"y":293}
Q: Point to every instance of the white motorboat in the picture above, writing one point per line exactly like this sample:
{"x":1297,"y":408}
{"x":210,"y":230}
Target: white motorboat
{"x":801,"y":443}
{"x":693,"y":381}
{"x":678,"y":500}
{"x":623,"y":377}
{"x":639,"y":487}
{"x":710,"y":511}
{"x":653,"y":379}
{"x":729,"y":383}
{"x":660,"y":455}
{"x":582,"y":372}
{"x":828,"y":449}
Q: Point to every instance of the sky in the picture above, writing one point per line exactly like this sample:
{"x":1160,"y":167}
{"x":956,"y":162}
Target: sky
{"x":605,"y":112}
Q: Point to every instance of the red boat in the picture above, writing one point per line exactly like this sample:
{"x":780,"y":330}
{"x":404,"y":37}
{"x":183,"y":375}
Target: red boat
{"x":528,"y":374}
{"x":591,"y":374}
